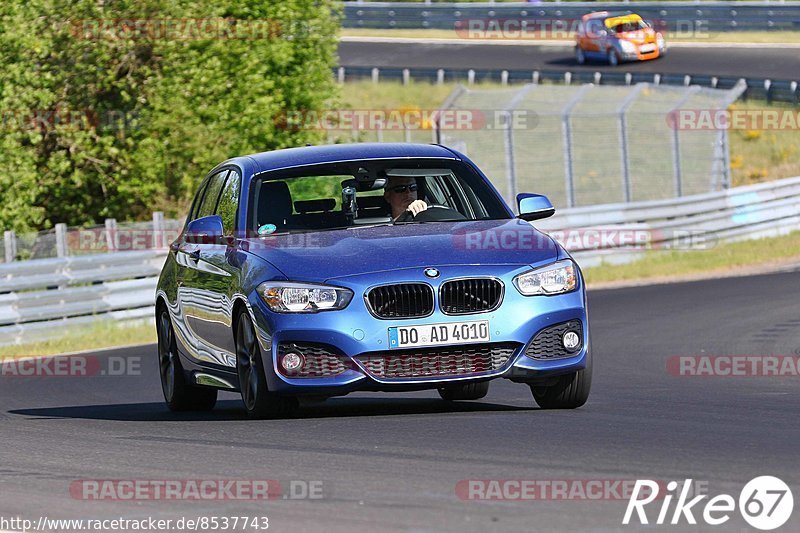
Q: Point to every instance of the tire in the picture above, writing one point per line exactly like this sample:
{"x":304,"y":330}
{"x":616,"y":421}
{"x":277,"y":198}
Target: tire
{"x":179,"y":395}
{"x":258,"y":401}
{"x":613,"y":57}
{"x":580,"y":57}
{"x":568,"y":392}
{"x":468,"y":391}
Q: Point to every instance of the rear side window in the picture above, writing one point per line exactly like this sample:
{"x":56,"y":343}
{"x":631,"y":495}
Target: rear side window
{"x":210,"y":198}
{"x":229,"y":202}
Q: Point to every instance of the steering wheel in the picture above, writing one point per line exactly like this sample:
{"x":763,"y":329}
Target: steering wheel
{"x":434,"y":213}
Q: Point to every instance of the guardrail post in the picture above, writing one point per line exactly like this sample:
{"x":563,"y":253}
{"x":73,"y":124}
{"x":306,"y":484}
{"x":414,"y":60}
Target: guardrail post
{"x":159,"y":240}
{"x":10,"y":241}
{"x":471,"y":77}
{"x":340,"y":75}
{"x":406,"y":76}
{"x":440,"y":77}
{"x":376,"y":74}
{"x":61,"y":240}
{"x":111,"y":234}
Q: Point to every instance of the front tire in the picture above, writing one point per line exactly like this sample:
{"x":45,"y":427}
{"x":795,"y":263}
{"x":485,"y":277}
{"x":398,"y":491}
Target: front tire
{"x":468,"y":391}
{"x":258,"y":401}
{"x":567,"y":392}
{"x":613,"y":57}
{"x":179,"y":395}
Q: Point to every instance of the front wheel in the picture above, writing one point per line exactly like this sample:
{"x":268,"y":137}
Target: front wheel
{"x":178,"y":394}
{"x":258,"y":400}
{"x":567,"y":392}
{"x":580,"y":57}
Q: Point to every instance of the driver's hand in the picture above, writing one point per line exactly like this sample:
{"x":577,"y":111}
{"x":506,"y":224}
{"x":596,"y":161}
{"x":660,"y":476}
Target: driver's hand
{"x":416,"y":207}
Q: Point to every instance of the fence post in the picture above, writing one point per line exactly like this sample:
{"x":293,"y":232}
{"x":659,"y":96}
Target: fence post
{"x":508,"y":141}
{"x":676,"y":140}
{"x":10,"y":241}
{"x":111,"y":234}
{"x":623,"y":140}
{"x":61,"y":240}
{"x":159,"y":240}
{"x":566,"y":130}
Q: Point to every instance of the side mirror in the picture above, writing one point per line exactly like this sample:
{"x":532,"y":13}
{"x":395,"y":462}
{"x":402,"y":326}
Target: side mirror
{"x":205,"y":230}
{"x":534,"y":206}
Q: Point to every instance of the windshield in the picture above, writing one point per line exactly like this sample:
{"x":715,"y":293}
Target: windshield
{"x":628,"y":26}
{"x":329,"y":197}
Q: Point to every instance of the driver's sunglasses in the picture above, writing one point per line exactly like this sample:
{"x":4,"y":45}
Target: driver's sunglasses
{"x":403,"y":188}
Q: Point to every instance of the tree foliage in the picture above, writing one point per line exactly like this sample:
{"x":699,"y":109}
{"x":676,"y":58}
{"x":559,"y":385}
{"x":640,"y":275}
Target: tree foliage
{"x":114,"y":108}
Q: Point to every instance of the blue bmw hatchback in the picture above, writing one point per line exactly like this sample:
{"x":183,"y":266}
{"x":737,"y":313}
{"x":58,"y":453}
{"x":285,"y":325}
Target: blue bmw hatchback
{"x":320,"y":271}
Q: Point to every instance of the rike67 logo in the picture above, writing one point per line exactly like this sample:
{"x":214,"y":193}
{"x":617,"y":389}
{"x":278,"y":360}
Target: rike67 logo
{"x":765,"y":503}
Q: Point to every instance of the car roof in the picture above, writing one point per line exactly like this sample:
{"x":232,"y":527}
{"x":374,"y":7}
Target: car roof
{"x":607,"y":14}
{"x":333,"y":153}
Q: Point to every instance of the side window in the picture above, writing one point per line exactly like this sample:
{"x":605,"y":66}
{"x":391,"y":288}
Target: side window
{"x":198,"y":198}
{"x":209,"y":203}
{"x":229,"y":202}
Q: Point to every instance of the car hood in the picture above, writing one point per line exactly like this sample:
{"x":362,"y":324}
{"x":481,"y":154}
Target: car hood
{"x":324,"y":255}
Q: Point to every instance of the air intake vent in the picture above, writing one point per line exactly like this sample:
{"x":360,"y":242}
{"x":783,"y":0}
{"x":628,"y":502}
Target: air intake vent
{"x":405,"y":300}
{"x":465,"y":296}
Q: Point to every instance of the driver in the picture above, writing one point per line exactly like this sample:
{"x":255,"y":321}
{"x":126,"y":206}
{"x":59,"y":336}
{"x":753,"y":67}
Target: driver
{"x":401,"y":194}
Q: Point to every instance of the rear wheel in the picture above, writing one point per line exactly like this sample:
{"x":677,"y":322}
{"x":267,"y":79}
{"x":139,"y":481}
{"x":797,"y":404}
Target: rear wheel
{"x":566,"y":392}
{"x":178,"y":394}
{"x":468,"y":391}
{"x":258,"y":400}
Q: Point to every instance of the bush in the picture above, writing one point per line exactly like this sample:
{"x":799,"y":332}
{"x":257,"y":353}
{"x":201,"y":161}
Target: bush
{"x":113,"y":109}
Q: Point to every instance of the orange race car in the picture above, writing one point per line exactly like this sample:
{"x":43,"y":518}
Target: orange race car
{"x":617,"y":37}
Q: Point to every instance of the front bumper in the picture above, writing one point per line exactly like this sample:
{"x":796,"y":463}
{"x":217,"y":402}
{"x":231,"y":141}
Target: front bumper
{"x":354,"y":331}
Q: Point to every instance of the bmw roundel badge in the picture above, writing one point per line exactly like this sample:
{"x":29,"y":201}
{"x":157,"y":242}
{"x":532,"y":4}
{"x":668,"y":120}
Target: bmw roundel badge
{"x":432,"y":272}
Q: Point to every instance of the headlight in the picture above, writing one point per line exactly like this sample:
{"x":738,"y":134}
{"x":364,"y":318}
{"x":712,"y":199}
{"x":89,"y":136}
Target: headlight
{"x":287,"y":297}
{"x":627,"y":47}
{"x":552,"y":279}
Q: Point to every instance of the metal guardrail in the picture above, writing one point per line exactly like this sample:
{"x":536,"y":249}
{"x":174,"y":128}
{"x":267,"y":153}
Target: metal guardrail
{"x":40,"y":299}
{"x":675,"y":16}
{"x":691,"y":222}
{"x":756,"y":88}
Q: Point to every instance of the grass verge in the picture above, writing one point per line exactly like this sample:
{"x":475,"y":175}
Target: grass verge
{"x":96,"y":337}
{"x":721,"y":259}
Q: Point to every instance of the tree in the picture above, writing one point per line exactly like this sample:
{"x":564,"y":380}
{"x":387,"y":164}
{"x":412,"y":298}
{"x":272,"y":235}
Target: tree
{"x":114,"y":108}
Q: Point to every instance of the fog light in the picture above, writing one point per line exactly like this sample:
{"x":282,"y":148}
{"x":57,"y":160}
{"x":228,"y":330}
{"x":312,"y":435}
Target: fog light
{"x":571,"y":341}
{"x":292,"y":362}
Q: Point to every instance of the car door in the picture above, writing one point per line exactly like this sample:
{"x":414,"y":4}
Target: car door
{"x":202,"y":282}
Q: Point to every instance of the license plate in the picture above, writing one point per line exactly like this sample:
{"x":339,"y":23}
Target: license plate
{"x":647,"y":48}
{"x":439,"y":334}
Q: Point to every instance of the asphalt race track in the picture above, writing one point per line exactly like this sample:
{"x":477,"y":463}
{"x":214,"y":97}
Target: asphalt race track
{"x":774,"y":63}
{"x":393,"y":461}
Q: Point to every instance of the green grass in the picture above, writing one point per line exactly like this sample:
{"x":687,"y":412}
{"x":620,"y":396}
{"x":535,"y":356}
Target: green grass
{"x":718,"y":259}
{"x":95,"y":337}
{"x":761,"y":37}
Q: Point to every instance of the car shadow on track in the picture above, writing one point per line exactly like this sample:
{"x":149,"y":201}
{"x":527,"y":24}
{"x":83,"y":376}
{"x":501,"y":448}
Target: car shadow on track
{"x":233,"y":411}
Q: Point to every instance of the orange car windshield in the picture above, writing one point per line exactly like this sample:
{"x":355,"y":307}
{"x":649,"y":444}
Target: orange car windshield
{"x":629,"y":26}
